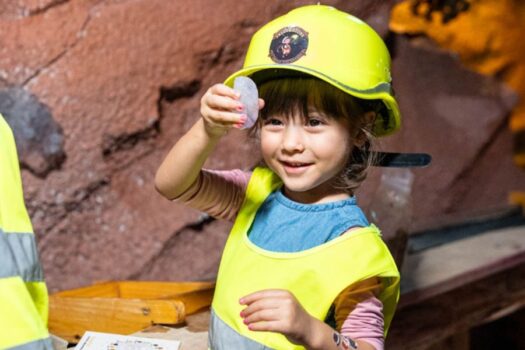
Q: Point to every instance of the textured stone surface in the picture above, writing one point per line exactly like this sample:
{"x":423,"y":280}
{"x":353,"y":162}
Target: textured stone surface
{"x":15,"y":9}
{"x":123,"y":80}
{"x":39,"y":138}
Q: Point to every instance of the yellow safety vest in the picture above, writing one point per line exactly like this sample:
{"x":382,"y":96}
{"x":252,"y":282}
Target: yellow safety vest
{"x":314,"y":276}
{"x":23,"y":293}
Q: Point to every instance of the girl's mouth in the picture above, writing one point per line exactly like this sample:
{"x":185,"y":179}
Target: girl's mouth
{"x":295,"y":167}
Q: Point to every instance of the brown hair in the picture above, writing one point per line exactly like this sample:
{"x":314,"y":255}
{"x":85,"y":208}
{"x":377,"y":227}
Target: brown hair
{"x":295,"y":94}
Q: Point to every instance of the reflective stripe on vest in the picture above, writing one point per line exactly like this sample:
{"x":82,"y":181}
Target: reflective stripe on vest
{"x":19,"y":256}
{"x":229,"y":339}
{"x":314,"y":276}
{"x":42,"y":344}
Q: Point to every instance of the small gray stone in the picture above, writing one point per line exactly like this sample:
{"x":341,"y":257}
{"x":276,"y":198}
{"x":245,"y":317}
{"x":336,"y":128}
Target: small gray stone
{"x":249,"y":98}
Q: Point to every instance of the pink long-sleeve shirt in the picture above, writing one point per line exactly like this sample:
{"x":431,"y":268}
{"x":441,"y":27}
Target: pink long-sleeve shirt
{"x":358,"y":311}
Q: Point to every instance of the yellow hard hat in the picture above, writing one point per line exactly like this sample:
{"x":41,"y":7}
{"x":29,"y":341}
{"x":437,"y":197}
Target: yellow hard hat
{"x":331,"y":45}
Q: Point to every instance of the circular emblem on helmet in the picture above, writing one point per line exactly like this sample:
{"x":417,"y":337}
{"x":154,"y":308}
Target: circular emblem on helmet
{"x":288,"y":45}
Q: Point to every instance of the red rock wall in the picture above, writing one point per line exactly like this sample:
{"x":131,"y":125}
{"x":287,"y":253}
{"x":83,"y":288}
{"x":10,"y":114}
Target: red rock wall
{"x":98,"y":91}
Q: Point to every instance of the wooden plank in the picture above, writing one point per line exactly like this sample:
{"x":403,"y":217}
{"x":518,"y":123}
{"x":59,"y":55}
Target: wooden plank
{"x":438,"y":270}
{"x":195,"y":300}
{"x":156,"y":290}
{"x":136,"y":289}
{"x":418,"y":326}
{"x":449,"y":289}
{"x":70,"y":317}
{"x":105,"y":289}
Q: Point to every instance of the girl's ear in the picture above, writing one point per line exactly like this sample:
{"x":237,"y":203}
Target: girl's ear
{"x":368,"y":119}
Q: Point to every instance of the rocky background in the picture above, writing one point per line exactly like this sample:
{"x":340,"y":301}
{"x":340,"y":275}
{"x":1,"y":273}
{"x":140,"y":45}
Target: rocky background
{"x":97,"y":91}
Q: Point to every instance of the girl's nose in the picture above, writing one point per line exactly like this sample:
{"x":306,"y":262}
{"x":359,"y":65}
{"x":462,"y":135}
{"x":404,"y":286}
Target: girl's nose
{"x":293,"y":139}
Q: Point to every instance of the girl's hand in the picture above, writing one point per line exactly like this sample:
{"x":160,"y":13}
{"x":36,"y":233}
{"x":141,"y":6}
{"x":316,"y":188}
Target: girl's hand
{"x":276,"y":310}
{"x":221,"y":110}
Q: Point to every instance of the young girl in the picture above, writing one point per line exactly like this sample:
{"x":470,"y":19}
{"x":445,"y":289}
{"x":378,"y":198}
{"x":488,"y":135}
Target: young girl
{"x":302,"y":267}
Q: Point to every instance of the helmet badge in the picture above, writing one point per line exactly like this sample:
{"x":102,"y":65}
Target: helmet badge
{"x":288,"y":45}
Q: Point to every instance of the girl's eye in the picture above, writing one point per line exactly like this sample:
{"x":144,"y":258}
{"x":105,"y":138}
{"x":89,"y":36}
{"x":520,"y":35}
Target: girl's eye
{"x":314,"y":122}
{"x":273,"y":121}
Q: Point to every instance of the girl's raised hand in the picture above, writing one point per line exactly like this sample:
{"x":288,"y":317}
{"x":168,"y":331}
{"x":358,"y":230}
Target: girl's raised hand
{"x":221,"y":110}
{"x":276,"y":310}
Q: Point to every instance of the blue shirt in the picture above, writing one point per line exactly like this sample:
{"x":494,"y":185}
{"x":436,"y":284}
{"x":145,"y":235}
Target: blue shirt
{"x":282,"y":225}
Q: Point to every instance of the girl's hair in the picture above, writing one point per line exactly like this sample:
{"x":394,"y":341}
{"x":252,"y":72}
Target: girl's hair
{"x":287,"y":96}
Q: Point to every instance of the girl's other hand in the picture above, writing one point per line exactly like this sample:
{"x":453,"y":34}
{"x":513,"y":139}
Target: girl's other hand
{"x":221,"y":110}
{"x":276,"y":310}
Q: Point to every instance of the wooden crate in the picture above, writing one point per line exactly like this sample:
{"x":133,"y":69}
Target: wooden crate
{"x":125,"y":307}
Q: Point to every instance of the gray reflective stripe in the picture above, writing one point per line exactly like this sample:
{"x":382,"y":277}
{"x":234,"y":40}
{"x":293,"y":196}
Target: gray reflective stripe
{"x":381,"y":88}
{"x":19,"y":257}
{"x":42,"y":344}
{"x":223,"y":337}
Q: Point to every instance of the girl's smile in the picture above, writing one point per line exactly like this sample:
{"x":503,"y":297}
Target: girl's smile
{"x":294,"y":168}
{"x":307,"y":154}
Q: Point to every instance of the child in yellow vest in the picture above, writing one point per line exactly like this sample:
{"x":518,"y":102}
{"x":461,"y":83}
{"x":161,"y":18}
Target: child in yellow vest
{"x":23,"y":291}
{"x":302,"y":267}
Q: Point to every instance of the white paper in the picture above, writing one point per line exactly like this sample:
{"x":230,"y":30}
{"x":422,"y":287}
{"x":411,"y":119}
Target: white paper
{"x":108,"y":341}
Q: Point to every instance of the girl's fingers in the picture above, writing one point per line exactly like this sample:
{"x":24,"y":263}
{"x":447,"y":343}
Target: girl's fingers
{"x":262,"y":315}
{"x":223,"y":90}
{"x":221,"y":108}
{"x":261,"y":103}
{"x":265,"y":326}
{"x":259,"y":305}
{"x":223,"y":117}
{"x":266,"y":293}
{"x":224,"y":103}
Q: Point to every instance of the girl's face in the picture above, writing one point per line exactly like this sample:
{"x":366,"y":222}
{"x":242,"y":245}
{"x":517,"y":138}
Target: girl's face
{"x":307,"y":154}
